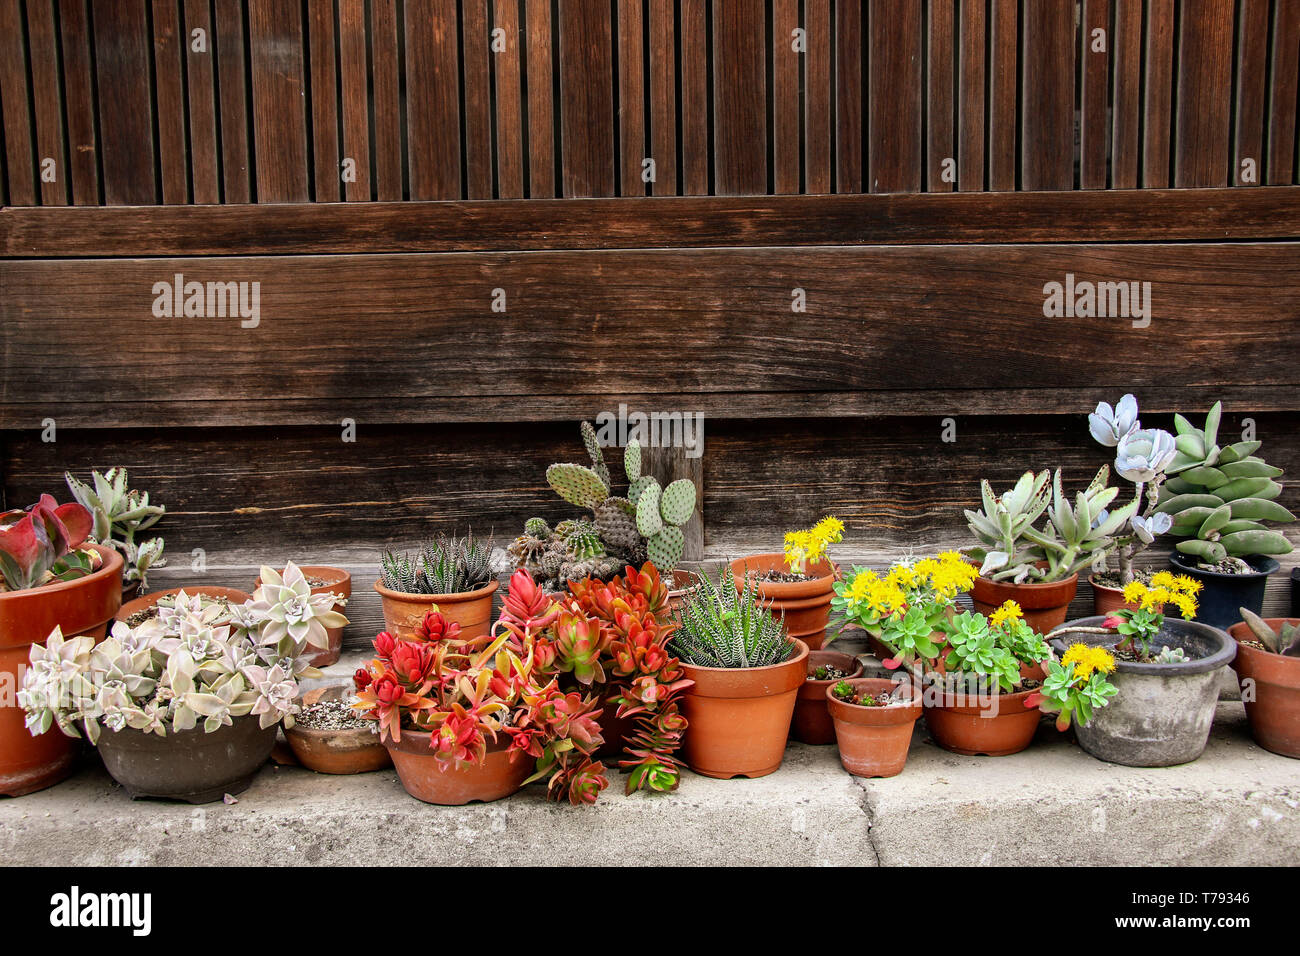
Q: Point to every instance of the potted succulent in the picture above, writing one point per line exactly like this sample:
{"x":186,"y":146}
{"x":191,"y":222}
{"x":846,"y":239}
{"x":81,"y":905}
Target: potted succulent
{"x":1167,"y":675}
{"x":185,"y":705}
{"x":49,"y":579}
{"x":450,"y":575}
{"x":1038,"y":568}
{"x":1268,"y":666}
{"x":747,"y":673}
{"x":1141,"y":456}
{"x":608,"y":639}
{"x":873,"y":721}
{"x":120,"y":513}
{"x":470,"y":718}
{"x":141,"y":609}
{"x":1076,"y":686}
{"x":797,"y":584}
{"x":812,"y":719}
{"x":329,"y":736}
{"x":623,"y":530}
{"x":1218,"y":499}
{"x":323,"y":579}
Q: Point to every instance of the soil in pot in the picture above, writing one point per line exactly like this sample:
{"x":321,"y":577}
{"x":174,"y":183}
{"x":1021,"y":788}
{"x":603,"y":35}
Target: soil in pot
{"x":328,"y":736}
{"x":422,"y":775}
{"x":804,"y":600}
{"x":739,"y":719}
{"x":1223,"y":595}
{"x":141,"y":609}
{"x":1270,"y":689}
{"x":188,"y":765}
{"x":472,"y":610}
{"x":972,"y":724}
{"x":1162,"y":713}
{"x":874,"y":737}
{"x":812,"y":720}
{"x":323,"y":579}
{"x":83,"y":607}
{"x":1045,"y":605}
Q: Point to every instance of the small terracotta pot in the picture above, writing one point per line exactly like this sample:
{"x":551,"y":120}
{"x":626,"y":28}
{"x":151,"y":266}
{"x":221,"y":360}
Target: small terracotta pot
{"x":358,"y":750}
{"x":1107,"y":600}
{"x":682,"y":582}
{"x":472,"y":610}
{"x":806,"y":605}
{"x":498,"y":776}
{"x":81,"y":608}
{"x":149,"y":600}
{"x":1274,"y":712}
{"x":188,"y":765}
{"x":812,"y":721}
{"x":873,"y":741}
{"x":989,"y":725}
{"x":1045,"y":605}
{"x":337,"y":581}
{"x":739,"y":718}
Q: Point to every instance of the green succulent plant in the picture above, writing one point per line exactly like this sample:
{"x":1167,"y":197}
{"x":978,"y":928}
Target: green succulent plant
{"x":448,"y":565}
{"x":1284,"y":641}
{"x":120,"y":513}
{"x":722,"y":627}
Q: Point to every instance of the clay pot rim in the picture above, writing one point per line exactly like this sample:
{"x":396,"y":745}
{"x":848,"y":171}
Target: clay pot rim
{"x":112,"y":562}
{"x":803,"y":654}
{"x":334,"y":576}
{"x":195,"y":732}
{"x":843,"y":710}
{"x":1245,"y":633}
{"x":1032,"y":586}
{"x":1092,"y":581}
{"x":1201,"y":665}
{"x":145,"y":601}
{"x":458,"y":598}
{"x":858,"y":668}
{"x":416,"y":742}
{"x":812,"y":587}
{"x":1188,"y":566}
{"x":365,"y":736}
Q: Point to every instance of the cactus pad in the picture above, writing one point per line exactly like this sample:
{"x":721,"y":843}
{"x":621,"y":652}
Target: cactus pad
{"x":641,"y":484}
{"x":665,"y":548}
{"x":577,"y":484}
{"x":677,"y":503}
{"x":648,"y":520}
{"x":632,"y":460}
{"x":594,"y":452}
{"x":616,"y":526}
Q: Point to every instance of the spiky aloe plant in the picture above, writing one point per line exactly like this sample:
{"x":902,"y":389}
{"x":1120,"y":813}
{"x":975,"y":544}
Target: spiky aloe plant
{"x":721,"y":627}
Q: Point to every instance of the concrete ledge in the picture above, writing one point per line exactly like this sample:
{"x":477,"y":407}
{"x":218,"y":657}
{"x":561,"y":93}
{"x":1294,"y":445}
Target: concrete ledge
{"x":1052,"y":804}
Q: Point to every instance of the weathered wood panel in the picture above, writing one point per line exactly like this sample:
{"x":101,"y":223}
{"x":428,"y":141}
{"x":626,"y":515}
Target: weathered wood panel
{"x":279,"y":109}
{"x":739,"y":98}
{"x":433,"y":102}
{"x":126,"y":115}
{"x":586,"y":98}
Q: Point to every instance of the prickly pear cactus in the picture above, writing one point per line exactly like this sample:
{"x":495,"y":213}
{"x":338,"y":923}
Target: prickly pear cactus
{"x":595,"y":453}
{"x":632,"y":461}
{"x":665,"y":548}
{"x":577,"y":484}
{"x":677,"y":503}
{"x":616,"y":522}
{"x":648,"y":519}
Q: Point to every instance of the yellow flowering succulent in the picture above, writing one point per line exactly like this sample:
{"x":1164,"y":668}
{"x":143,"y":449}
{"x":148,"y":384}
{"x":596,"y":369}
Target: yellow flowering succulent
{"x":1165,"y":588}
{"x":1009,"y":611}
{"x":808,"y":547}
{"x":871,"y":599}
{"x":1087,"y":659}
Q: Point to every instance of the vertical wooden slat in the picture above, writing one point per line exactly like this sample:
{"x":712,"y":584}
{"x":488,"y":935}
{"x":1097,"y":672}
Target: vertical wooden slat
{"x":817,"y":97}
{"x":1204,"y":122}
{"x":475,"y":41}
{"x":1284,"y":88}
{"x":125,"y":104}
{"x":1126,"y":128}
{"x":941,"y":109}
{"x":323,"y":70}
{"x":1248,"y":122}
{"x":695,"y":98}
{"x":1157,"y":111}
{"x":541,"y":116}
{"x":433,"y":99}
{"x":354,"y":75}
{"x":663,"y":99}
{"x":850,"y":91}
{"x":894,"y":150}
{"x":586,"y":98}
{"x":1003,"y":70}
{"x":79,"y":98}
{"x":1047,"y":120}
{"x":631,"y":96}
{"x":232,"y":92}
{"x":20,"y":160}
{"x":739,"y":99}
{"x":205,"y":164}
{"x":1094,"y":54}
{"x":510,"y":116}
{"x":970,"y":163}
{"x":173,"y":162}
{"x":42,"y":45}
{"x":785,"y":97}
{"x":279,"y":111}
{"x":387,"y":102}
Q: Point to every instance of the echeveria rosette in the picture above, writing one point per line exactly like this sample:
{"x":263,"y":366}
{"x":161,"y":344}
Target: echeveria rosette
{"x":1109,"y":425}
{"x":1144,"y":453}
{"x":291,"y":616}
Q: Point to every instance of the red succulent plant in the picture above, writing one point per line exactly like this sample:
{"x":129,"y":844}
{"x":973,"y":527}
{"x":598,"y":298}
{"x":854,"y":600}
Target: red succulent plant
{"x":42,"y":542}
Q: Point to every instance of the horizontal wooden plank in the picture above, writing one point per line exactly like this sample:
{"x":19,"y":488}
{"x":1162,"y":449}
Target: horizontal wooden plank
{"x":1090,"y":216}
{"x":407,"y":329}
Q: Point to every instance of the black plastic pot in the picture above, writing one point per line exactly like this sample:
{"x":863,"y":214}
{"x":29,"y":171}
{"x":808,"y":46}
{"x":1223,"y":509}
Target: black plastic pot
{"x":191,"y":765}
{"x":1295,"y":592}
{"x":1223,"y":595}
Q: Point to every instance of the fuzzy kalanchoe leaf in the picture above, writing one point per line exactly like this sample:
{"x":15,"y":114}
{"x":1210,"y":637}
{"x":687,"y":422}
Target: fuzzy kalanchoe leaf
{"x":119,"y":514}
{"x":1284,"y":641}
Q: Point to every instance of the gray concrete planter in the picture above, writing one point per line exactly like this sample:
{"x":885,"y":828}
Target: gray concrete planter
{"x":1162,"y":713}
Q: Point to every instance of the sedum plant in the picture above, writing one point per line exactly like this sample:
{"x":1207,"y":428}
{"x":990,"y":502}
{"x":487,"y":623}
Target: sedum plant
{"x":448,"y":565}
{"x":44,"y":544}
{"x":1077,"y":686}
{"x":120,"y":513}
{"x":1218,"y":498}
{"x":984,"y":654}
{"x":1285,"y":640}
{"x":193,"y":664}
{"x":722,"y":627}
{"x":804,"y":548}
{"x":1011,"y":548}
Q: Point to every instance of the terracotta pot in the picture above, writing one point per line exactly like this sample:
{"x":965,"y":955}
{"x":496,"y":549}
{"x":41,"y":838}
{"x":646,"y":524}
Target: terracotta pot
{"x":356,"y":750}
{"x":472,"y":610}
{"x":1045,"y":605}
{"x":682,"y":582}
{"x":337,"y":581}
{"x":805,"y":604}
{"x":498,"y":776}
{"x":149,"y":600}
{"x":1274,"y":713}
{"x":81,"y":608}
{"x":1107,"y":600}
{"x":812,"y":721}
{"x":873,"y":741}
{"x":988,"y":725}
{"x":739,"y":718}
{"x":188,"y":765}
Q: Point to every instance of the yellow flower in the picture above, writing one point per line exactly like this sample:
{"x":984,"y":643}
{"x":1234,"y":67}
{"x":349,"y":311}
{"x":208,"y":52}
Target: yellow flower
{"x":1009,"y":611}
{"x":1186,"y":605}
{"x":830,"y":529}
{"x":1133,"y":592}
{"x":1163,"y":579}
{"x":1188,"y":585}
{"x":1088,"y":659}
